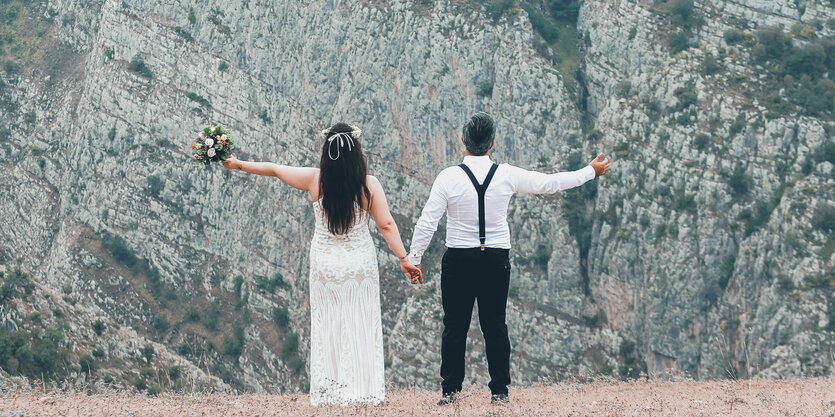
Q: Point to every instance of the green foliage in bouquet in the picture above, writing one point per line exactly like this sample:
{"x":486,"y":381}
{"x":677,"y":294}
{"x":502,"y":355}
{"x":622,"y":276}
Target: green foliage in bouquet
{"x":214,"y":144}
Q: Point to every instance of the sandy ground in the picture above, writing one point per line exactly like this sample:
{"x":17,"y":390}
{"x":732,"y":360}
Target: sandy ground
{"x":717,"y":398}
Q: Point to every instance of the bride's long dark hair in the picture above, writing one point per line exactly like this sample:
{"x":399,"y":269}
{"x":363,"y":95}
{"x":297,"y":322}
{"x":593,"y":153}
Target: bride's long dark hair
{"x":342,"y":179}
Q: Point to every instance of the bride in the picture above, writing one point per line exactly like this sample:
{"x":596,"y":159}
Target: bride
{"x":346,"y":335}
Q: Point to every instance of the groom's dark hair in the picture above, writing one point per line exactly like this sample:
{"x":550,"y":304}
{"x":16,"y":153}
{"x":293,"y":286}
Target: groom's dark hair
{"x":479,"y":133}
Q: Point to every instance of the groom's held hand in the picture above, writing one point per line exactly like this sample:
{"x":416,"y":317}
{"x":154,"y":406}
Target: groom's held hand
{"x":599,"y":166}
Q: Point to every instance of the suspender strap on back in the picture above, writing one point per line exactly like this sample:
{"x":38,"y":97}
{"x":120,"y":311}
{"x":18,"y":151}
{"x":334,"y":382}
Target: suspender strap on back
{"x":481,"y":189}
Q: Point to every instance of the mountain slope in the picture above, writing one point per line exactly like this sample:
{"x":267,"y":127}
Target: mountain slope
{"x":707,"y":249}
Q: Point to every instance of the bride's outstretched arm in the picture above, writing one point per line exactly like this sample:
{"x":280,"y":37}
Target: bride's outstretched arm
{"x":300,"y":178}
{"x":388,"y":228}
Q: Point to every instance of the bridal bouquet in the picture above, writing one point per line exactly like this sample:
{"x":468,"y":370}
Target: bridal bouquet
{"x":214,"y":144}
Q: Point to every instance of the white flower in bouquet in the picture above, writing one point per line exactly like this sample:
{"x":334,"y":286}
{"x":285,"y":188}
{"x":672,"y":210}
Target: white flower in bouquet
{"x":210,"y":142}
{"x":223,"y":137}
{"x":211,"y":152}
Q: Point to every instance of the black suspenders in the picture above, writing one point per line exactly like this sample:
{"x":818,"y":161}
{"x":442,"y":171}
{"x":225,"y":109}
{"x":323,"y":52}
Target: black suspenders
{"x":481,"y":189}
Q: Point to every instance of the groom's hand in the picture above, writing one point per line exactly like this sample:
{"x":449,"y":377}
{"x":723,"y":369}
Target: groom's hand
{"x":599,"y":166}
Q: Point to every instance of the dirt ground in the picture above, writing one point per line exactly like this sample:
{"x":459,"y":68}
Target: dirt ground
{"x":716,"y":398}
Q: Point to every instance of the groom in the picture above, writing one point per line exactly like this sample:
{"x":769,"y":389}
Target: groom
{"x":476,"y":265}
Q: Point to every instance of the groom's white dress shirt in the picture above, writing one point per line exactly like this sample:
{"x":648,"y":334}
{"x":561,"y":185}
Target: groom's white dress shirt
{"x":453,"y":193}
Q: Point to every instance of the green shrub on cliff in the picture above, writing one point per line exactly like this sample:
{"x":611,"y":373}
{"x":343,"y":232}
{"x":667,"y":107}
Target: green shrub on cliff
{"x":35,"y":354}
{"x":541,"y":24}
{"x":739,"y":181}
{"x":281,"y":317}
{"x":99,"y":327}
{"x":16,"y":284}
{"x":824,"y":218}
{"x":138,"y":66}
{"x":270,"y":284}
{"x":497,"y":8}
{"x":734,"y":36}
{"x":290,"y":345}
{"x":803,"y":72}
{"x":568,"y":10}
{"x":684,"y":14}
{"x":679,"y":41}
{"x":123,"y":254}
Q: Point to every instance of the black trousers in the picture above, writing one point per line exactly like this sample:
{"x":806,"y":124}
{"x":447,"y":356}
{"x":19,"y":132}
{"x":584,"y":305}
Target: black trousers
{"x":468,"y":275}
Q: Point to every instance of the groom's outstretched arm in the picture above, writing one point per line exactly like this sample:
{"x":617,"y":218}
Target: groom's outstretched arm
{"x":530,"y":182}
{"x":427,"y":224}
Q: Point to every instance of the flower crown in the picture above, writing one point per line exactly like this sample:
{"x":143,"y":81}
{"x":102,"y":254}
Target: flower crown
{"x":355,"y":132}
{"x":341,"y":139}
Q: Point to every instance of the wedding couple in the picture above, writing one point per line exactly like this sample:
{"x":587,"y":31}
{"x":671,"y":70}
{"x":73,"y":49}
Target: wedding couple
{"x":346,"y":336}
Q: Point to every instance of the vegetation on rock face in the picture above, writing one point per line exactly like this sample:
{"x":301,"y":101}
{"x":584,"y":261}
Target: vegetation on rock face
{"x":710,"y":66}
{"x":271,"y":283}
{"x":686,"y":96}
{"x":281,"y":317}
{"x":824,"y":218}
{"x":679,"y":41}
{"x":138,"y":66}
{"x":685,"y":19}
{"x":22,"y":33}
{"x":575,"y":203}
{"x":35,"y":353}
{"x":155,"y":185}
{"x":98,"y":327}
{"x":554,"y":21}
{"x":734,"y":36}
{"x":684,"y":14}
{"x":264,"y":116}
{"x":632,"y":366}
{"x":30,"y":348}
{"x":198,"y":99}
{"x":119,"y":249}
{"x":739,"y":181}
{"x":233,"y":345}
{"x":804,"y":73}
{"x":15,"y":284}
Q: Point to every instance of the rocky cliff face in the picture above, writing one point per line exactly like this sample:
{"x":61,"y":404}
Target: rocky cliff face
{"x":709,"y":256}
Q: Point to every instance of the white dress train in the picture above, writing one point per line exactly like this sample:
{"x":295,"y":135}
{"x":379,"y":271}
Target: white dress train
{"x":346,"y":332}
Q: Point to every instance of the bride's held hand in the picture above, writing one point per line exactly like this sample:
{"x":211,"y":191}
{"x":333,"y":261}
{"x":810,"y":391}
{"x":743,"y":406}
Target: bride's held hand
{"x":232,"y":163}
{"x":412,"y":272}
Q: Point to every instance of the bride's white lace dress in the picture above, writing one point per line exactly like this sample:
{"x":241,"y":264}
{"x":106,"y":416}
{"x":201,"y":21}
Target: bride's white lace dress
{"x":346,"y":333}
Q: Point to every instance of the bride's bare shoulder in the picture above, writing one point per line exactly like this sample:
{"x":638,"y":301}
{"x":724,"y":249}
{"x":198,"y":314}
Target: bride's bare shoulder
{"x":372,"y":182}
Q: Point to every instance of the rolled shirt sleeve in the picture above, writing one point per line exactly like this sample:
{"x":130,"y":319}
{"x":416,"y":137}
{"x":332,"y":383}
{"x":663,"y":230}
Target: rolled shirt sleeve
{"x":427,"y":224}
{"x":531,"y":182}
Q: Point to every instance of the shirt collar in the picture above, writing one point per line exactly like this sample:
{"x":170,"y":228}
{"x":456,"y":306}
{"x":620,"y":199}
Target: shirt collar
{"x":478,"y":160}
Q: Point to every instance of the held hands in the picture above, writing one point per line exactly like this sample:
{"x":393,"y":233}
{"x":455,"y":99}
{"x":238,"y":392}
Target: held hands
{"x":599,"y":166}
{"x":232,"y":163}
{"x":412,"y":272}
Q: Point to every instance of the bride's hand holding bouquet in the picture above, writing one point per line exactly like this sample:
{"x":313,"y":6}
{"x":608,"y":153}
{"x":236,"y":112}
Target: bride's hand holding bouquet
{"x":231,"y":163}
